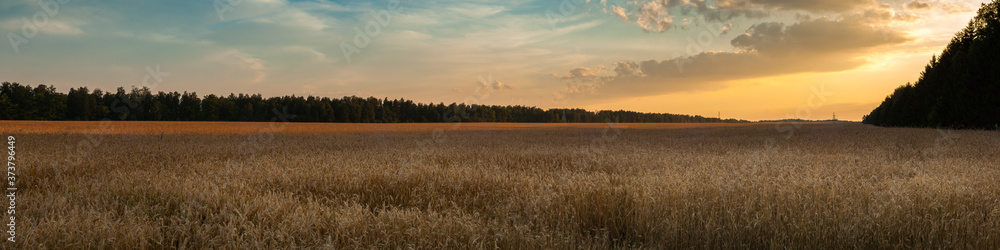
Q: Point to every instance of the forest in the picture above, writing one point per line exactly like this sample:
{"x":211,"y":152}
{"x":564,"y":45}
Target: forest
{"x":24,"y":102}
{"x":959,"y":89}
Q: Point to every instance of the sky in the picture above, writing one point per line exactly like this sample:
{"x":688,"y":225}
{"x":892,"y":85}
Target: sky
{"x":745,"y":59}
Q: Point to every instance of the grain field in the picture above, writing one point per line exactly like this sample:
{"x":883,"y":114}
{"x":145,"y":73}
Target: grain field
{"x":508,"y":186}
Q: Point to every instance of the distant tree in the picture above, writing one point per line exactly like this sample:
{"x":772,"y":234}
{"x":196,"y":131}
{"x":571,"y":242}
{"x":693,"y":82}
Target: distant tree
{"x":140,"y":104}
{"x":47,"y":104}
{"x":190,"y":107}
{"x":7,"y":108}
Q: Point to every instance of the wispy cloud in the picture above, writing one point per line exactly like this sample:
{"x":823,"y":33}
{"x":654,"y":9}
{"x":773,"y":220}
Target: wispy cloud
{"x":598,"y":51}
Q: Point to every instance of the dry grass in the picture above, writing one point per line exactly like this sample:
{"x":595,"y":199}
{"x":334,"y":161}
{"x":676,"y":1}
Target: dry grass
{"x":538,"y":186}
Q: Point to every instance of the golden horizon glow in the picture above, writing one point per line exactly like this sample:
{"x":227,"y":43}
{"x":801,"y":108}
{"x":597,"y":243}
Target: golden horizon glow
{"x":760,"y":64}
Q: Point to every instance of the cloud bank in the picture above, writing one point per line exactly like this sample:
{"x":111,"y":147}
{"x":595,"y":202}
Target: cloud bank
{"x":766,"y":49}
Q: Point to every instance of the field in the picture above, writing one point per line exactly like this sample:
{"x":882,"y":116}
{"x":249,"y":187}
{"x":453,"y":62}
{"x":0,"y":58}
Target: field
{"x":510,"y":186}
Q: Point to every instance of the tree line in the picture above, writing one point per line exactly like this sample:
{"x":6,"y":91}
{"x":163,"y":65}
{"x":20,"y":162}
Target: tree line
{"x":958,"y":89}
{"x":23,"y":102}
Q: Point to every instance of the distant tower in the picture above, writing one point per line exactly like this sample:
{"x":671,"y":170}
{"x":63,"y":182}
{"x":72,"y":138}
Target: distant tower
{"x":720,"y":115}
{"x":834,"y":116}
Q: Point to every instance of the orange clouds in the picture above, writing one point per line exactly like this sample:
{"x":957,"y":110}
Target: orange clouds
{"x":767,"y":49}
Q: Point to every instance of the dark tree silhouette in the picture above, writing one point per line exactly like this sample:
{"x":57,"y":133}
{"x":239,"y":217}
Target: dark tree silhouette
{"x":958,"y":89}
{"x":21,"y":102}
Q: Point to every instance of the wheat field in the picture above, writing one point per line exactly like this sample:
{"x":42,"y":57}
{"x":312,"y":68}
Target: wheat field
{"x":508,"y":186}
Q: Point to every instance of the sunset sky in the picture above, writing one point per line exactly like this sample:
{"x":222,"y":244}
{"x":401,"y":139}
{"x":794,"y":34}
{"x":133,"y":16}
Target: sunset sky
{"x":748,"y":59}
